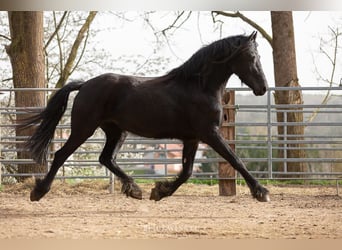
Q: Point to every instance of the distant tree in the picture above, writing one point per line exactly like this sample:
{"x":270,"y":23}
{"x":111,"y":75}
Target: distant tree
{"x":27,"y":56}
{"x":285,"y":75}
{"x":329,"y":52}
{"x":26,"y":52}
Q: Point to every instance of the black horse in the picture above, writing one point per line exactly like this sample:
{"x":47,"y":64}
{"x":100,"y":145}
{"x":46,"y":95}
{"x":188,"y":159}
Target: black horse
{"x":184,"y":104}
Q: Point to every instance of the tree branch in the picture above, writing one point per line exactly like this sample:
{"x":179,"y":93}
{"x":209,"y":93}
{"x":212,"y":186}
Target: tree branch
{"x":82,"y":52}
{"x":73,"y":53}
{"x":59,"y":43}
{"x":174,"y":24}
{"x":248,"y":21}
{"x":333,"y":61}
{"x":56,"y":29}
{"x":7,"y":79}
{"x":6,"y":37}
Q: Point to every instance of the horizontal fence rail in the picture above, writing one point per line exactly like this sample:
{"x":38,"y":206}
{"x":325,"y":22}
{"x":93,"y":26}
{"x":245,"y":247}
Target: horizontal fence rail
{"x":257,"y":142}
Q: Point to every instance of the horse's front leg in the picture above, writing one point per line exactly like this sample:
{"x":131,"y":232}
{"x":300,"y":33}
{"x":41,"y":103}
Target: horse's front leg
{"x":167,"y":188}
{"x":216,"y":141}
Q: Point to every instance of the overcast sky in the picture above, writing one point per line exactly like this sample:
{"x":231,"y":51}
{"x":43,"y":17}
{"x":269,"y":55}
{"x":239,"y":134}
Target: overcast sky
{"x":135,"y":37}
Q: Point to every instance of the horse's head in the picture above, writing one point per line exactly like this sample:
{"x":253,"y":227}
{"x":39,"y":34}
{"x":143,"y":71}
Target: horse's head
{"x":246,"y":65}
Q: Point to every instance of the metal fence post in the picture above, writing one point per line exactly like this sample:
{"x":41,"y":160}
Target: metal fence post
{"x":285,"y":145}
{"x":269,"y":136}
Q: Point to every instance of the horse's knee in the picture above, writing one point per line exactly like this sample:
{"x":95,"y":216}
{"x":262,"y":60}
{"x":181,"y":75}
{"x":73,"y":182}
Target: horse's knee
{"x":104,"y":160}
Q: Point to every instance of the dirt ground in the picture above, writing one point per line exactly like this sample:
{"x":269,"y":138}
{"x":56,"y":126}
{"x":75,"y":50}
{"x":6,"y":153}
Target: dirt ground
{"x":88,"y":211}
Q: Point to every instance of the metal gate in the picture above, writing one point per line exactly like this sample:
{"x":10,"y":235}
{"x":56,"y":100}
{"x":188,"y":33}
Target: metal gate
{"x":256,"y":141}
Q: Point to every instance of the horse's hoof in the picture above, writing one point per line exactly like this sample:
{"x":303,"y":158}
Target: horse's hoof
{"x":155,"y":195}
{"x":136,"y":194}
{"x":262,"y":194}
{"x":132,"y":190}
{"x":161,"y":190}
{"x":264,"y":198}
{"x":34,"y":196}
{"x":39,"y":191}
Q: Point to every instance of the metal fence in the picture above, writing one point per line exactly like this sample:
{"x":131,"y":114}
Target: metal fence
{"x":257,"y":141}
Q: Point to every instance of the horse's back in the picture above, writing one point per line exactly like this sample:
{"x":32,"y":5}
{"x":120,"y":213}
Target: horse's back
{"x":105,"y":87}
{"x":104,"y":95}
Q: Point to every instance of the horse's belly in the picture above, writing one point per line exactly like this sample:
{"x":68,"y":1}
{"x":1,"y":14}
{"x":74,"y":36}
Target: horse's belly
{"x":155,"y":127}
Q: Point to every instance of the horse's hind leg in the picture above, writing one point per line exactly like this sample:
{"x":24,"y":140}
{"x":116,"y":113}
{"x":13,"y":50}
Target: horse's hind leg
{"x":115,"y":138}
{"x":166,"y":188}
{"x":76,"y":138}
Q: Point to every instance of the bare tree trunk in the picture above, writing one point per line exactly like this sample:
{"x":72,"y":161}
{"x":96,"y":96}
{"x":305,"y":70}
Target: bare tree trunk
{"x":70,"y":64}
{"x":26,"y":53}
{"x":285,"y":74}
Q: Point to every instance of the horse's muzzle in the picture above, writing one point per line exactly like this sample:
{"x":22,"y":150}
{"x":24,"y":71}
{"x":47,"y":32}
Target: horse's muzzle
{"x":260,"y":92}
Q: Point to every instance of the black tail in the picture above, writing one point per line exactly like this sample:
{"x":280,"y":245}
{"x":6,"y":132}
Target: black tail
{"x":38,"y":143}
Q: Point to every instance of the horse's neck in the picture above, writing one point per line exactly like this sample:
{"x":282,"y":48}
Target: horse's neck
{"x":216,"y":82}
{"x":144,"y":78}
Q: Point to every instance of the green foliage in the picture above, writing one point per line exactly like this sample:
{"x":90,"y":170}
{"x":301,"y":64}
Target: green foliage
{"x":139,"y":171}
{"x":295,"y":182}
{"x":209,"y":182}
{"x":85,"y":171}
{"x":255,"y":150}
{"x":144,"y":181}
{"x":242,"y":182}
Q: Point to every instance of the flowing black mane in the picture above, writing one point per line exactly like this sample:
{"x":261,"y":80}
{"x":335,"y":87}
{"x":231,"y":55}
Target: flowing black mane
{"x":201,"y":62}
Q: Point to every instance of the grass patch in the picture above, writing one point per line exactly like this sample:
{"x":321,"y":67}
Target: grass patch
{"x":308,"y":182}
{"x":273,"y":182}
{"x":298,"y":182}
{"x":210,"y":182}
{"x":242,"y":182}
{"x":144,"y":181}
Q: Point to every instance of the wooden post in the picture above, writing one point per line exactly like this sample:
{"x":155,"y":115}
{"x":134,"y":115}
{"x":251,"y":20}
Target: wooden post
{"x":228,"y":187}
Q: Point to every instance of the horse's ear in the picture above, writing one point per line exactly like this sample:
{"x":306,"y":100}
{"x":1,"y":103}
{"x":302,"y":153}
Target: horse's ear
{"x":252,"y":37}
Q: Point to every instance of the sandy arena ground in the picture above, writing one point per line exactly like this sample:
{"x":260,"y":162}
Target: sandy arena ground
{"x":88,"y":211}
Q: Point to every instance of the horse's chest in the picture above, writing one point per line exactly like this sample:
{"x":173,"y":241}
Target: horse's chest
{"x":209,"y":112}
{"x":216,"y":113}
